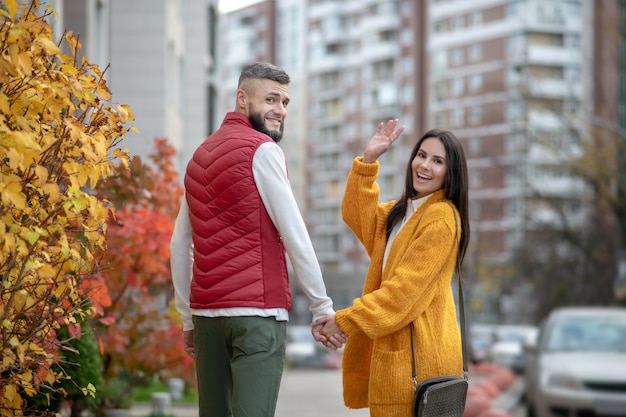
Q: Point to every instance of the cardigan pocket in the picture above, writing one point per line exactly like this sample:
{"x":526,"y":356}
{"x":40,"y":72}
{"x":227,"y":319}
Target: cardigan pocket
{"x":390,"y":377}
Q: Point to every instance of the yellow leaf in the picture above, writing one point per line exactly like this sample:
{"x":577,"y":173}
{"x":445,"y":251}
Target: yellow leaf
{"x":13,"y":399}
{"x":21,"y":300}
{"x":69,"y":69}
{"x":104,"y":93}
{"x":28,"y":139}
{"x":47,"y":45}
{"x":47,"y":271}
{"x":29,"y":390}
{"x":12,"y":194}
{"x":42,"y":176}
{"x":52,"y":190}
{"x":7,"y":361}
{"x":12,"y":6}
{"x":27,"y":376}
{"x":50,"y":378}
{"x":83,"y":174}
{"x":90,"y":390}
{"x":14,"y":341}
{"x":32,"y":237}
{"x":25,"y":63}
{"x":90,"y":96}
{"x":4,"y":104}
{"x":16,"y":159}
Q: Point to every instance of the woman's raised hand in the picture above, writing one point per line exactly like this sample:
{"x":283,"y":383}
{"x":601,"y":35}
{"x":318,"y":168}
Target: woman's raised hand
{"x":382,"y":140}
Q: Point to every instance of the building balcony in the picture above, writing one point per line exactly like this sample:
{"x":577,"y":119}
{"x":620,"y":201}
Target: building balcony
{"x":547,"y":88}
{"x":326,"y":63}
{"x":379,"y":22}
{"x":380,"y":51}
{"x":552,"y":55}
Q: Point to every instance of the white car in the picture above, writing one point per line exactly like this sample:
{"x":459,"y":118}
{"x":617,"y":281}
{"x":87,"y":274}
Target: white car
{"x":578,"y":367}
{"x":507,"y":348}
{"x":302,"y":349}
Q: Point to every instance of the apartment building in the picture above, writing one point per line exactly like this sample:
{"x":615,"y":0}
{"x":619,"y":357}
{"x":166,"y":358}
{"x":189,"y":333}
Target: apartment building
{"x":246,"y":35}
{"x":365,"y":65}
{"x":162,"y":57}
{"x":515,"y":80}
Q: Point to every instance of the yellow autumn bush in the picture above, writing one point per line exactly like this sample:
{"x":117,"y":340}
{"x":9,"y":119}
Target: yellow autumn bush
{"x":59,"y":135}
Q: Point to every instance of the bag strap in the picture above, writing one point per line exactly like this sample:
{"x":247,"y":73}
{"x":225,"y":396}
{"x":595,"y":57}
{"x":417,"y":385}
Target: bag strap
{"x":462,"y":324}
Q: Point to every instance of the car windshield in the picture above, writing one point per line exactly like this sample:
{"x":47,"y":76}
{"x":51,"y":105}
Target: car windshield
{"x":588,"y":334}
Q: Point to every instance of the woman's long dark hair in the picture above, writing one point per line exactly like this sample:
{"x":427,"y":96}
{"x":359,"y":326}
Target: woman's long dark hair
{"x":455,"y":186}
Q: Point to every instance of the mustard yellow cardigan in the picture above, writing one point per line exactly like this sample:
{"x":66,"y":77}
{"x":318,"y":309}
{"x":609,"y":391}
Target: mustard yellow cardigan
{"x":414,"y":287}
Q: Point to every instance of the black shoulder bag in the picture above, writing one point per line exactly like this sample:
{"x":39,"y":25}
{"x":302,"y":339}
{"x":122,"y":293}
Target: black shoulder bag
{"x":442,"y":396}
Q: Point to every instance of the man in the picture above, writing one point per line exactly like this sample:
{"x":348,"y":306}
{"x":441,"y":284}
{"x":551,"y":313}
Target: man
{"x":237,"y":219}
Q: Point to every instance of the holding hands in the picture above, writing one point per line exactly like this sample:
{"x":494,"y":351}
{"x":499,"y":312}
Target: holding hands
{"x":326,"y":331}
{"x":382,"y":140}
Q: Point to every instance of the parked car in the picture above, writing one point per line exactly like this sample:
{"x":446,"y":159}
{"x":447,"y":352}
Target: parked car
{"x":303,"y":351}
{"x":481,"y":337}
{"x":507,"y":348}
{"x":578,"y":366}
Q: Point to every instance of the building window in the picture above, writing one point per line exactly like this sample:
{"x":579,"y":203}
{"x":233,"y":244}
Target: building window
{"x":458,"y":86}
{"x":457,"y":56}
{"x":331,"y":108}
{"x":383,"y":70}
{"x":475,"y":52}
{"x":439,"y":90}
{"x":458,"y":116}
{"x":477,"y":17}
{"x":475,"y":179}
{"x":438,"y":120}
{"x":515,"y":110}
{"x":408,"y":94}
{"x":330,"y":80}
{"x":476,"y":82}
{"x":475,"y":115}
{"x":457,"y":23}
{"x":474,"y":209}
{"x":407,"y":66}
{"x":385,"y":95}
{"x":474,"y":145}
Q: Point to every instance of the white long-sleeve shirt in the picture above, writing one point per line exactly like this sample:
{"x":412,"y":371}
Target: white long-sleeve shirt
{"x":270,"y":176}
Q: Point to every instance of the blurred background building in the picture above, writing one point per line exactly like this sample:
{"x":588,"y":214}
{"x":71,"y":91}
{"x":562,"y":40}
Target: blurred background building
{"x":528,"y":86}
{"x":162,"y":57}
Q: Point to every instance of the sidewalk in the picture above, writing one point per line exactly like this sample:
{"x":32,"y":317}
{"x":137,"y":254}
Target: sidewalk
{"x":303,"y":389}
{"x":510,"y":398}
{"x":176,"y":410}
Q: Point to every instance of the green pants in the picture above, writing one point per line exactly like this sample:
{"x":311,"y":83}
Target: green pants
{"x":239,"y":365}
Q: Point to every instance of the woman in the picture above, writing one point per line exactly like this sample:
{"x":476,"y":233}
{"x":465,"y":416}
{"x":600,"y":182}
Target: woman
{"x":415,"y":244}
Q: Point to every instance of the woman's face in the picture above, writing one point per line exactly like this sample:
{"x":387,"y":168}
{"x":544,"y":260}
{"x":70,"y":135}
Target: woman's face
{"x":429,"y":167}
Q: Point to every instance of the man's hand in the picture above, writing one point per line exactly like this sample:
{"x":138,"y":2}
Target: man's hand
{"x":188,"y":343}
{"x":326,"y":331}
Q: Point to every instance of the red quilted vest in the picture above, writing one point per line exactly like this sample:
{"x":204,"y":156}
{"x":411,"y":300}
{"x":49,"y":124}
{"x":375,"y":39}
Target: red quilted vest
{"x":239,"y":257}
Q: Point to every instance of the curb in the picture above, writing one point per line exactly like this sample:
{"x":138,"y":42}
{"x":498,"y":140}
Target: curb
{"x":494,"y":391}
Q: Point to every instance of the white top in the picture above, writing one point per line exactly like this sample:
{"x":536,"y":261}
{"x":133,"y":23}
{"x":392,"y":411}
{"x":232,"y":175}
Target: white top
{"x":411,"y":208}
{"x":270,"y":175}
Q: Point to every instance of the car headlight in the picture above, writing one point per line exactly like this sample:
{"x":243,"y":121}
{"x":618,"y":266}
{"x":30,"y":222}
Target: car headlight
{"x":560,"y":380}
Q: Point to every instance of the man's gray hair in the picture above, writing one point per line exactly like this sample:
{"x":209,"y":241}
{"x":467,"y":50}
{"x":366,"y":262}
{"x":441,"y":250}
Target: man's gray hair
{"x":263,"y":70}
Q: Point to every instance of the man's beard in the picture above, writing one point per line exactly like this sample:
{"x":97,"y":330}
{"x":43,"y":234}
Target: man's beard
{"x":256,"y":120}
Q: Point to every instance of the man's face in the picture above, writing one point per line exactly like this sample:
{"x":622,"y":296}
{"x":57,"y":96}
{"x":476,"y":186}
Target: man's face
{"x":267,"y":107}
